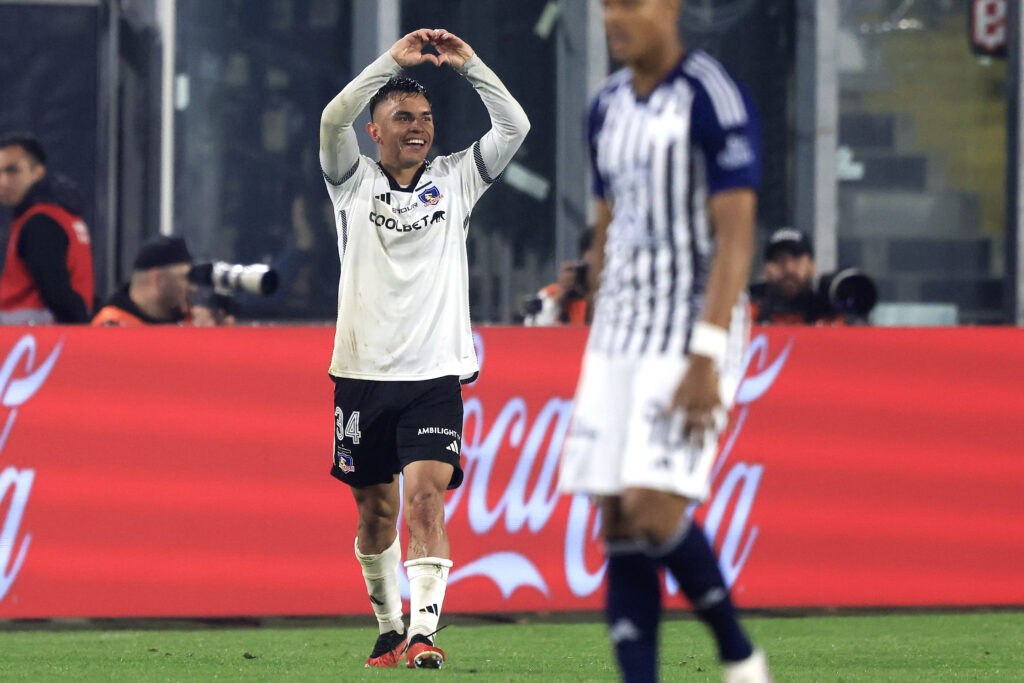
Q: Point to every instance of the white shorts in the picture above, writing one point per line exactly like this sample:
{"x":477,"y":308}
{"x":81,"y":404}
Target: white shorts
{"x":620,"y":437}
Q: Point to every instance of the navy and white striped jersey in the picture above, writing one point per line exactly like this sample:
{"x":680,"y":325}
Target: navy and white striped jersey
{"x":656,"y":161}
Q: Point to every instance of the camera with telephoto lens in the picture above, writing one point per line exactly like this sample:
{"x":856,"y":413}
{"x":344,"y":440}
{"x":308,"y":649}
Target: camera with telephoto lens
{"x":848,"y":292}
{"x":227,"y":278}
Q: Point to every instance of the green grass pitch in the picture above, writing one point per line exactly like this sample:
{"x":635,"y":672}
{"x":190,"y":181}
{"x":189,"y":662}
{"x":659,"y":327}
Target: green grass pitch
{"x":918,"y":648}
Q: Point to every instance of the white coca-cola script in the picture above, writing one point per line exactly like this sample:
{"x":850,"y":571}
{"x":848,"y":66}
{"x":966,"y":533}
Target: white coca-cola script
{"x":15,"y":483}
{"x":536,"y":441}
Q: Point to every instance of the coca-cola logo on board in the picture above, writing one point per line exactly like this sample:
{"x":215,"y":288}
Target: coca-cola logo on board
{"x":20,"y":379}
{"x":529,"y":499}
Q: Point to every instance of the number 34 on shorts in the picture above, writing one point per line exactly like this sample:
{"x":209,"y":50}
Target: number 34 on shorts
{"x":342,"y":430}
{"x":350,"y":430}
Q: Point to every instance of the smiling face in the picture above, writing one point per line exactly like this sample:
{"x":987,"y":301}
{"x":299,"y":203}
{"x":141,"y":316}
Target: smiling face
{"x":403,"y":127}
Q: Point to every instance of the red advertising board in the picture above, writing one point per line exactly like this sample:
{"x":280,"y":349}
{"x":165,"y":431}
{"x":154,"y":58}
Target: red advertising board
{"x":169,"y":472}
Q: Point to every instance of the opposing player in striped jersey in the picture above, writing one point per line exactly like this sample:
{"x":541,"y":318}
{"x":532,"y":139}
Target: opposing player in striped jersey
{"x":674,"y":145}
{"x":403,"y":337}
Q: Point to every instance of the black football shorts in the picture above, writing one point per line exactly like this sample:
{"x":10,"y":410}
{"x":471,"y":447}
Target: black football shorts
{"x":380,"y":427}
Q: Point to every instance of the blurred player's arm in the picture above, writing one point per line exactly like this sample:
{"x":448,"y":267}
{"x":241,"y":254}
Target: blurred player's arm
{"x":509,"y":123}
{"x":602,"y":207}
{"x":339,"y":149}
{"x":728,"y":132}
{"x":594,"y":257}
{"x":732,"y":215}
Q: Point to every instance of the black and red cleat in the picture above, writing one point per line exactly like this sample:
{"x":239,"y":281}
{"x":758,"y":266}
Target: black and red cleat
{"x":422,"y":654}
{"x":387,"y":651}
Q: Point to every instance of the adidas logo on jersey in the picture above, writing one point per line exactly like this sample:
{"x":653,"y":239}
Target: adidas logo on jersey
{"x":454,"y":447}
{"x":386,"y":197}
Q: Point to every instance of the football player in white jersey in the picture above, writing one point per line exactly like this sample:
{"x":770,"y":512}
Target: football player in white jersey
{"x":674,"y":145}
{"x":403,"y":339}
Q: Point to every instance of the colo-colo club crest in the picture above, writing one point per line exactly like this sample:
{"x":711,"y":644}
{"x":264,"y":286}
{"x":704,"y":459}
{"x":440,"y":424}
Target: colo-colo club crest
{"x":430,"y":196}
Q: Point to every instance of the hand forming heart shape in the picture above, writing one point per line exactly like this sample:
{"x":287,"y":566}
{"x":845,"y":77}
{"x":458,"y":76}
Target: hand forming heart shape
{"x":451,"y":49}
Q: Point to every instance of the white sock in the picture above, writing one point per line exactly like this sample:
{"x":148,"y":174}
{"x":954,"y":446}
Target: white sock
{"x":428,"y":577}
{"x":381,"y":575}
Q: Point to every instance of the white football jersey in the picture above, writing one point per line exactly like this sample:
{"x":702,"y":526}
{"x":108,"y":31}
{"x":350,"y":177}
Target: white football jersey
{"x":403,"y":296}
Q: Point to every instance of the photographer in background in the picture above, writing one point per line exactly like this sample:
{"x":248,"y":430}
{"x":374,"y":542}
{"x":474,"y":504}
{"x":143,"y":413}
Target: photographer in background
{"x":168,"y":288}
{"x":792,"y":293}
{"x":567,"y":300}
{"x":159,"y":290}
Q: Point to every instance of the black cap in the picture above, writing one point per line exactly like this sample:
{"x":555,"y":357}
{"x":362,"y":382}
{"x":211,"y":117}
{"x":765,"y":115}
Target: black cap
{"x":790,"y":240}
{"x":162,"y":251}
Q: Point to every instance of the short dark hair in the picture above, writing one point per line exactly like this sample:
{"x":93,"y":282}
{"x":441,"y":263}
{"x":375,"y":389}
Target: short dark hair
{"x":28,"y":142}
{"x":397,"y":85}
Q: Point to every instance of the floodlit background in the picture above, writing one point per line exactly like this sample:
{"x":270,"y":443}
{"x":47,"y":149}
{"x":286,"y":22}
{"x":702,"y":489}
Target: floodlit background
{"x":885,"y":133}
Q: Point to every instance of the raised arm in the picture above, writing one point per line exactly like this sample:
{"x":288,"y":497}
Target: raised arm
{"x":509,"y":124}
{"x":733,"y":213}
{"x":339,"y":150}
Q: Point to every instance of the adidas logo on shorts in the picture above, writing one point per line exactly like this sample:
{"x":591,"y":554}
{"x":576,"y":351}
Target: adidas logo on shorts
{"x":454,"y":447}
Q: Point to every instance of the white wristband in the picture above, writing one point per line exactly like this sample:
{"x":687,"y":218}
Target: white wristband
{"x":709,"y":340}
